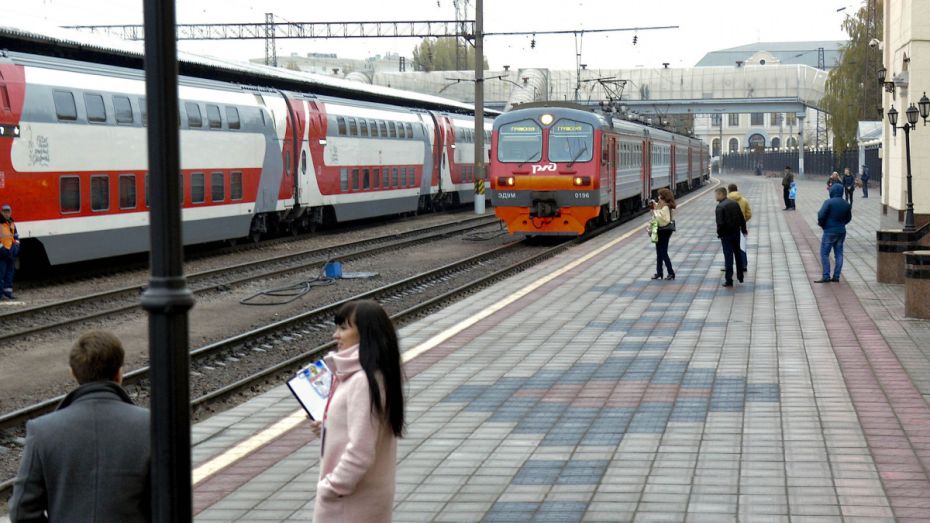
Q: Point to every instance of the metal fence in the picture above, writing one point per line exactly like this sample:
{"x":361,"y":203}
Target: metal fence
{"x":815,"y":162}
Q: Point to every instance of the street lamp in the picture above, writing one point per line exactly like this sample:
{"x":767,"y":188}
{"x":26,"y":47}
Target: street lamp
{"x":912,"y":114}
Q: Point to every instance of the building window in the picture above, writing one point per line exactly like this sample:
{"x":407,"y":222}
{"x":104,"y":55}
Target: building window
{"x":123,"y":109}
{"x":232,"y":116}
{"x":776,"y":119}
{"x":734,"y":145}
{"x":733,"y":120}
{"x":99,"y":193}
{"x":791,"y":119}
{"x":213,"y":117}
{"x":70,"y":193}
{"x":716,"y":120}
{"x":197,"y":188}
{"x":776,"y":143}
{"x":756,"y":118}
{"x":344,"y":179}
{"x":235,"y":186}
{"x":127,"y":191}
{"x":217,"y":187}
{"x":791,"y":142}
{"x":96,"y":111}
{"x":194,"y":118}
{"x":757,"y":141}
{"x":715,"y":147}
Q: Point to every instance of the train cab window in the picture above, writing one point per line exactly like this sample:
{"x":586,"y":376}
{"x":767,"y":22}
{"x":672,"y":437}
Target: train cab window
{"x":392,"y":130}
{"x":373,"y":125}
{"x":571,"y":141}
{"x":383,"y":126}
{"x":69,"y":194}
{"x":341,"y":124}
{"x":344,"y":179}
{"x":519,"y":142}
{"x":123,"y":109}
{"x":232,"y":117}
{"x":235,"y":186}
{"x":213,"y":117}
{"x":355,"y":184}
{"x":194,"y":118}
{"x":366,"y":179}
{"x":363,"y":127}
{"x":409,"y":130}
{"x":217,"y":187}
{"x":376,"y":179}
{"x":96,"y":111}
{"x":99,"y":193}
{"x":353,"y":127}
{"x":127,"y":191}
{"x":197,"y":188}
{"x":395,"y":181}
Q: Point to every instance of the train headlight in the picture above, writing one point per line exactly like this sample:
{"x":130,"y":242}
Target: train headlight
{"x":506,"y":181}
{"x":546,"y":119}
{"x":582,"y":180}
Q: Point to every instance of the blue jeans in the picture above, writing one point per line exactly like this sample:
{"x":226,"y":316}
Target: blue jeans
{"x":7,"y":268}
{"x":834,"y":241}
{"x":731,"y":251}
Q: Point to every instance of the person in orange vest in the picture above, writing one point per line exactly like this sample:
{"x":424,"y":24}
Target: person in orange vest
{"x":9,"y":250}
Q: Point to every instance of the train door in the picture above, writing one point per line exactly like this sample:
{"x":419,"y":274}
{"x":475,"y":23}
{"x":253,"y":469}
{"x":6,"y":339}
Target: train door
{"x":290,"y":151}
{"x":611,"y":168}
{"x":310,"y":169}
{"x":12,"y":96}
{"x":429,"y":153}
{"x":690,"y":167}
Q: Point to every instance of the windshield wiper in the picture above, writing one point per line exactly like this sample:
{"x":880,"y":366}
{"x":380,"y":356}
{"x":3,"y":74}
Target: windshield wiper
{"x":584,"y":149}
{"x":530,"y":159}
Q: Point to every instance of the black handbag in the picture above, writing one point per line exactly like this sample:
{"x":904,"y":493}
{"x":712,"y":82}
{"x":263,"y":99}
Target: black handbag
{"x":670,"y":227}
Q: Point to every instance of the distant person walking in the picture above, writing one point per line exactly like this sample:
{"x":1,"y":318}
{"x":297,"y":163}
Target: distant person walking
{"x":9,"y":250}
{"x":730,"y":223}
{"x":88,"y":460}
{"x":662,"y":213}
{"x":834,"y":178}
{"x":733,"y":194}
{"x":864,"y":178}
{"x":786,"y":181}
{"x":364,"y":417}
{"x":833,"y":216}
{"x":849,"y":185}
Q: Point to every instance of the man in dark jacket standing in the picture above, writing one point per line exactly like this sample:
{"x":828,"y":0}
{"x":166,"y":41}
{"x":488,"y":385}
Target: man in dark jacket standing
{"x":864,"y":178}
{"x":849,"y":185}
{"x":833,"y":216}
{"x":786,"y":185}
{"x":730,"y":224}
{"x":88,"y":460}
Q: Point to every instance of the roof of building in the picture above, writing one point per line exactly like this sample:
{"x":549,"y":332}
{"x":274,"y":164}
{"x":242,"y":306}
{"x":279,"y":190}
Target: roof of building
{"x":804,"y":53}
{"x":869,"y":132}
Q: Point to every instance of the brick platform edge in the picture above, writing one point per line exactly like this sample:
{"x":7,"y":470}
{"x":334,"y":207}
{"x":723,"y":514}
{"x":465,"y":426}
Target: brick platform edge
{"x":894,"y":416}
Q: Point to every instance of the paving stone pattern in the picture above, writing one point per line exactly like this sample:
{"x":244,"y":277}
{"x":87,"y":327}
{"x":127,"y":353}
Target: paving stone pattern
{"x":604,"y":396}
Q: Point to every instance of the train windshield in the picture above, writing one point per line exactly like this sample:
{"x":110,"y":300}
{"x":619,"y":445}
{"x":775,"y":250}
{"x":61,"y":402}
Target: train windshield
{"x":571,"y":141}
{"x":519,"y":142}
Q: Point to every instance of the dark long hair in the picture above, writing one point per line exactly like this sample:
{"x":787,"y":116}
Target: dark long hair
{"x":378,"y":353}
{"x":667,"y":197}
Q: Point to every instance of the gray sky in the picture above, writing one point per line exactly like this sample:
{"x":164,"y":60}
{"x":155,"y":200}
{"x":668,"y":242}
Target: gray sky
{"x":705,"y":25}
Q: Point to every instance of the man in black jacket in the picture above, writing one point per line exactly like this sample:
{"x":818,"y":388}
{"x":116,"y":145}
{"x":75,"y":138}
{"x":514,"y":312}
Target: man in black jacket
{"x":730,"y":224}
{"x":88,"y":460}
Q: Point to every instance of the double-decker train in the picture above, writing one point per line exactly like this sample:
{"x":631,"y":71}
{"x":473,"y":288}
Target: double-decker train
{"x":73,"y":160}
{"x":557,"y":169}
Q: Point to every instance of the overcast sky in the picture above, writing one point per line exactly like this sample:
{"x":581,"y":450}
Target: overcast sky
{"x":705,"y":25}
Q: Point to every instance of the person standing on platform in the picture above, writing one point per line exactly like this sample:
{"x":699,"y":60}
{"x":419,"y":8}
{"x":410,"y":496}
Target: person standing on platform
{"x":834,"y":178}
{"x":849,"y":185}
{"x":793,"y":196}
{"x":733,"y":194}
{"x":864,"y":178}
{"x":364,"y":416}
{"x":9,"y":250}
{"x":833,"y":216}
{"x":786,"y":185}
{"x":662,"y":212}
{"x":90,"y":459}
{"x":730,"y":223}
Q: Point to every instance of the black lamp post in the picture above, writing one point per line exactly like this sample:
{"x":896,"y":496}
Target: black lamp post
{"x":912,"y":114}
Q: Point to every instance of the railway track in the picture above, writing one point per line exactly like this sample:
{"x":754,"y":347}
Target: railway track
{"x":43,"y":318}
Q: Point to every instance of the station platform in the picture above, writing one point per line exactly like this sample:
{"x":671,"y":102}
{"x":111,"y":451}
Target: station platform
{"x":580,"y":390}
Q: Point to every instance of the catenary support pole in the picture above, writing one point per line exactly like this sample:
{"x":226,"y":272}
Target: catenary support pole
{"x":167,"y":298}
{"x":480,"y":177}
{"x":801,"y":144}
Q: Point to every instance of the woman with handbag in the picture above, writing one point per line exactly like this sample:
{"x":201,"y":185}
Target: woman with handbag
{"x":662,"y":214}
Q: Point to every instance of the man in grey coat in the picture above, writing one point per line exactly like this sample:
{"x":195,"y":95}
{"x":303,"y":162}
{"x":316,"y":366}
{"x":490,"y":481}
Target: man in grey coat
{"x":89,"y":460}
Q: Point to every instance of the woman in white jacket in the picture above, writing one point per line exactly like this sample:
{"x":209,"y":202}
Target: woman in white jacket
{"x":662,"y":212}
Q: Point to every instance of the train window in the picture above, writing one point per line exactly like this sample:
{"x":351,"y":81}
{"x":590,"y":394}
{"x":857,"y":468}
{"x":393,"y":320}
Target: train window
{"x":123,"y":109}
{"x":395,"y":179}
{"x":344,"y":179}
{"x":100,"y":193}
{"x":194,"y":118}
{"x":355,"y":184}
{"x":213,"y":117}
{"x":217,"y":187}
{"x":409,"y":130}
{"x":261,"y":113}
{"x":127,"y":191}
{"x":197,"y":188}
{"x":341,"y":124}
{"x":392,"y":130}
{"x":519,"y":142}
{"x":303,"y":162}
{"x":235,"y":186}
{"x":400,"y":130}
{"x":145,"y":111}
{"x":366,"y":179}
{"x":96,"y":111}
{"x":373,"y":128}
{"x":362,"y":127}
{"x":232,"y":117}
{"x":376,"y":179}
{"x":70,"y":194}
{"x":572,"y":141}
{"x":383,"y":126}
{"x":353,"y":127}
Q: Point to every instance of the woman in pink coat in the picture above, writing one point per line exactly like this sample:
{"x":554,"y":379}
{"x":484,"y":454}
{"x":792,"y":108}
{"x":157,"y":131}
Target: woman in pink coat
{"x":364,"y":417}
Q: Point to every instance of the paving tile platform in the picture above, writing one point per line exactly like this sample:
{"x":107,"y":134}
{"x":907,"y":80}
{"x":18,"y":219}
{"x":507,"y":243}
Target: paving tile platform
{"x":600,"y":395}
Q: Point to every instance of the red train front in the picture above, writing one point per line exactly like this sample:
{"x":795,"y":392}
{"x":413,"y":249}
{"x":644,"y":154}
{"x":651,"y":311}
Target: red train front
{"x":546,"y":171}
